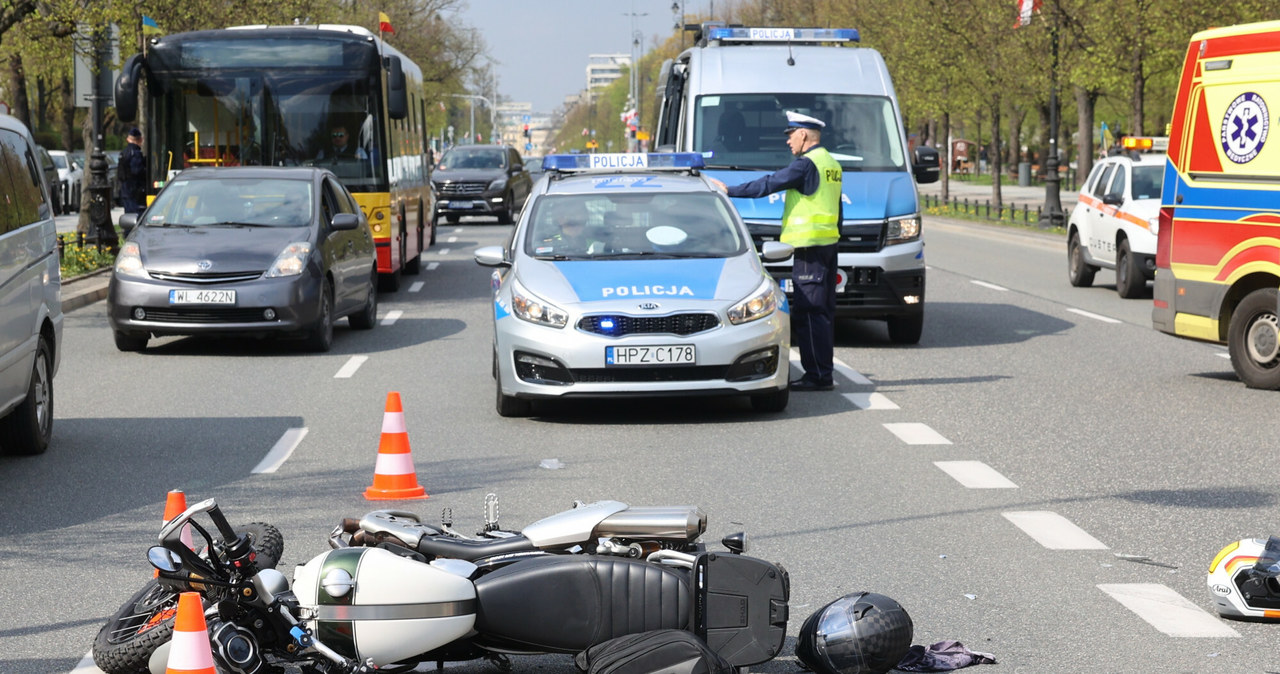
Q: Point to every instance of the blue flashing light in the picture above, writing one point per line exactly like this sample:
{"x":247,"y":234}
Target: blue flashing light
{"x":623,"y":161}
{"x":606,"y":324}
{"x":796,"y":35}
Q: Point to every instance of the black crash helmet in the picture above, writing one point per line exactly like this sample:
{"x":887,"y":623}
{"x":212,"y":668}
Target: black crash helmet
{"x":859,"y":633}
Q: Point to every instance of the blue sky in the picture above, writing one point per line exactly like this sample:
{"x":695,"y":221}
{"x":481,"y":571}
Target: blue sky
{"x":541,"y":46}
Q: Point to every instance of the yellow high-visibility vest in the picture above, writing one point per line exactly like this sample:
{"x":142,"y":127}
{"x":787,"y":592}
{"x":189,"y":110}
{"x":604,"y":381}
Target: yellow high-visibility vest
{"x":813,"y":220}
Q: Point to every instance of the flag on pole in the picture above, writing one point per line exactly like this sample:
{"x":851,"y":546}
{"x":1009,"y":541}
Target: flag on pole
{"x":1106,"y":137}
{"x":384,"y":23}
{"x":150,"y":27}
{"x":1025,"y":9}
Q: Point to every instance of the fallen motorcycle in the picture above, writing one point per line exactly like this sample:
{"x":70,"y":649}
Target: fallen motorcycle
{"x":395,"y":592}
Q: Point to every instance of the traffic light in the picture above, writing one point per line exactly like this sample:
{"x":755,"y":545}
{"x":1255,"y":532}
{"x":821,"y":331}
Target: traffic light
{"x":527,"y":134}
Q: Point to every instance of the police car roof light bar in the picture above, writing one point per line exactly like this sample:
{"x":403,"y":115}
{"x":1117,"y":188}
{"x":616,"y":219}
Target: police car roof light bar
{"x":792,"y":35}
{"x":623,"y":161}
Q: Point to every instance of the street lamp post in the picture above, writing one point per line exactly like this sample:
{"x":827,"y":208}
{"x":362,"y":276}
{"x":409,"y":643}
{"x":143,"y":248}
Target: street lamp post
{"x":493,"y":123}
{"x":1053,"y":215}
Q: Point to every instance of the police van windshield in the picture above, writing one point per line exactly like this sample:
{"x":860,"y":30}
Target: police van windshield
{"x":746,"y":130}
{"x":670,"y":224}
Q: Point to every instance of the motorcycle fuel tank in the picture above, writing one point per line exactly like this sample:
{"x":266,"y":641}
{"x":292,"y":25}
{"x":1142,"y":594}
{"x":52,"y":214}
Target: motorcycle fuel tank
{"x":371,"y":603}
{"x":612,"y":518}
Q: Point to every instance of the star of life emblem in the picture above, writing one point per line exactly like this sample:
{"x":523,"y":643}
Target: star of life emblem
{"x":1244,"y":127}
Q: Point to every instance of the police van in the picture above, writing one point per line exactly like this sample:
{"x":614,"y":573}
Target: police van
{"x":1217,"y":260}
{"x":726,"y":98}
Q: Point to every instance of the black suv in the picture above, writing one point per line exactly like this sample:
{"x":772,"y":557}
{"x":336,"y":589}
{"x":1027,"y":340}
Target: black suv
{"x":480,"y":180}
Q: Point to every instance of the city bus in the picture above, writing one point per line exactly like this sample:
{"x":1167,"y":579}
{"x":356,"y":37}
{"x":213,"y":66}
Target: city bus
{"x":282,"y":96}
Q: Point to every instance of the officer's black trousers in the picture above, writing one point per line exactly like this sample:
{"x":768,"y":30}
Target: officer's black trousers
{"x":813,"y":310}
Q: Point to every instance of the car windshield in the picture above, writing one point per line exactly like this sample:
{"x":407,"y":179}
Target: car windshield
{"x":238,"y":201}
{"x":598,"y":226}
{"x":465,"y":158}
{"x":59,"y":160}
{"x":1146,"y":181}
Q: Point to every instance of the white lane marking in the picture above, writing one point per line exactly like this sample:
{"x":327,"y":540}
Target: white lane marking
{"x":1096,"y":317}
{"x":1053,"y":531}
{"x":417,"y":285}
{"x":444,"y":251}
{"x":917,"y":434}
{"x":853,"y":375}
{"x":457,"y":230}
{"x":871,"y":401}
{"x":1167,"y":610}
{"x":452,"y":239}
{"x":992,"y":286}
{"x":1224,"y":354}
{"x":392,"y":317}
{"x":350,"y":367}
{"x":432,"y":266}
{"x":975,"y":475}
{"x":281,"y":452}
{"x":86,"y":665}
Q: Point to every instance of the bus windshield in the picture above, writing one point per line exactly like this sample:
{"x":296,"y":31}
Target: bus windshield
{"x":746,"y":130}
{"x":280,"y":119}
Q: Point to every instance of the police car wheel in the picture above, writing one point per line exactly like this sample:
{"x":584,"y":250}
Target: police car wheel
{"x":511,"y":406}
{"x":1130,"y":282}
{"x":1253,"y":339}
{"x":1078,"y":272}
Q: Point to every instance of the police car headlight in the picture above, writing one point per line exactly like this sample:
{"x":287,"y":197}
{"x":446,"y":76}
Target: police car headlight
{"x":902,"y":230}
{"x":757,"y":305}
{"x":129,"y":261}
{"x":525,"y":306}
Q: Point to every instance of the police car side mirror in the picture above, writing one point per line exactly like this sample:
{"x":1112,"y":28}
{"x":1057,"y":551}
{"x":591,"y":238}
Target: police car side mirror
{"x":491,"y":256}
{"x":776,"y":251}
{"x":1113,"y":199}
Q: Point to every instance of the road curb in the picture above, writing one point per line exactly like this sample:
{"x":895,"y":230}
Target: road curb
{"x":86,"y":289}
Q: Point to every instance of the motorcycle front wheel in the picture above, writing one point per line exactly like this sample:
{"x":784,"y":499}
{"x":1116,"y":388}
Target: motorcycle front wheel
{"x":124,"y":645}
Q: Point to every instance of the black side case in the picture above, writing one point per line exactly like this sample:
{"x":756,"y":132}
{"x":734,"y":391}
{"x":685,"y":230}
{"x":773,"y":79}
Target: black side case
{"x":740,"y":606}
{"x":656,"y":652}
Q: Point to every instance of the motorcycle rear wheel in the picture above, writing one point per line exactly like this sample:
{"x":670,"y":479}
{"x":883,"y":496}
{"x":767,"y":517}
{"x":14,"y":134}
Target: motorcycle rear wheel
{"x":124,"y":645}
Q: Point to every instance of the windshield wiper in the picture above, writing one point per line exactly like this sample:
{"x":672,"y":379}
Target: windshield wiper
{"x":236,"y":224}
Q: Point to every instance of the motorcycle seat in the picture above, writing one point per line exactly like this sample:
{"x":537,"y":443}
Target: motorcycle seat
{"x":472,"y":551}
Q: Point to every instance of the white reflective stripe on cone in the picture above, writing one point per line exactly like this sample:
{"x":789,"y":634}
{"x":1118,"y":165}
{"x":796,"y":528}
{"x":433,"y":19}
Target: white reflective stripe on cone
{"x":394,"y":464}
{"x":393,"y":422}
{"x":190,"y":652}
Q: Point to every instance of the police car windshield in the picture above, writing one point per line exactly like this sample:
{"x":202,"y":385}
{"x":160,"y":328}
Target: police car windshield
{"x":746,"y":130}
{"x":601,"y":226}
{"x":240,"y":201}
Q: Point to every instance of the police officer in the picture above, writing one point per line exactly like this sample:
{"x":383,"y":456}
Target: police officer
{"x":132,"y":174}
{"x":811,"y":217}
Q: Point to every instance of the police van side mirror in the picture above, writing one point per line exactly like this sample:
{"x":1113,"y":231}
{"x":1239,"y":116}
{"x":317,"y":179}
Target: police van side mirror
{"x":925,"y":164}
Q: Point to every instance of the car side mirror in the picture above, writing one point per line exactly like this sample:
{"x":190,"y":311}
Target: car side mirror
{"x":127,"y":222}
{"x":1113,"y":199}
{"x":491,"y":256}
{"x":925,"y":164}
{"x":776,"y":251}
{"x":345,"y":222}
{"x":164,"y":559}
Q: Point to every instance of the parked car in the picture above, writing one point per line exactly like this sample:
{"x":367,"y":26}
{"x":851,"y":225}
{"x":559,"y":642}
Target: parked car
{"x":30,"y":296}
{"x":70,"y":179}
{"x":52,"y":186}
{"x":281,"y":252}
{"x":480,"y":180}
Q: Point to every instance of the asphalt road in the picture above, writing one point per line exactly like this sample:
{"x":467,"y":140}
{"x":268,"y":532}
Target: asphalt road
{"x":987,"y":478}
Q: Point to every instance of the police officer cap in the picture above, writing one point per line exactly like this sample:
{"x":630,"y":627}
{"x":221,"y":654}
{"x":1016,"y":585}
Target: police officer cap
{"x":796,"y":120}
{"x":135,"y":132}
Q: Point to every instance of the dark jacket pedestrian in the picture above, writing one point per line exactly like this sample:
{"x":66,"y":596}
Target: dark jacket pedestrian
{"x":133,"y":174}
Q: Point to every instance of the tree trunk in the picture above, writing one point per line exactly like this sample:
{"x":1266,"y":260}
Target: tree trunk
{"x":945,"y":159}
{"x":21,"y":107}
{"x":1042,"y":143}
{"x":1016,"y":116}
{"x":1086,"y":99}
{"x":68,"y":114}
{"x":994,"y":157}
{"x":42,"y":103}
{"x":1138,"y":94}
{"x":86,"y":137}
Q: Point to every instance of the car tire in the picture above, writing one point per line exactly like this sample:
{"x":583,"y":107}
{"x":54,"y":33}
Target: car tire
{"x":128,"y":341}
{"x":320,"y":340}
{"x":906,"y":329}
{"x":1253,"y":340}
{"x":505,"y":214}
{"x":1079,"y":272}
{"x":772,"y":402}
{"x":28,"y":428}
{"x":511,"y":406}
{"x":367,"y":317}
{"x":1130,"y":282}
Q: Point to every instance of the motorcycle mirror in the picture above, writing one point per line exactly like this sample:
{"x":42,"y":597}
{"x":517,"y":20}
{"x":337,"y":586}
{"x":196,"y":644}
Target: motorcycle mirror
{"x":164,"y":559}
{"x":737,"y":543}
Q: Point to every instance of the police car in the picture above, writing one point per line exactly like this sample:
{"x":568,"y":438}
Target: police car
{"x":1116,"y":218}
{"x":631,"y":275}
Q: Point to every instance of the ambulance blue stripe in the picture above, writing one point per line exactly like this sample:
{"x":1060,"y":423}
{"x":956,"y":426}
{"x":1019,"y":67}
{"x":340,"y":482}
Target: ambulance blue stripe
{"x":694,"y":279}
{"x":1234,"y":198}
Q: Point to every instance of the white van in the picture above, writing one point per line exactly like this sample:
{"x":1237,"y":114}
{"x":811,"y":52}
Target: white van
{"x":30,"y":296}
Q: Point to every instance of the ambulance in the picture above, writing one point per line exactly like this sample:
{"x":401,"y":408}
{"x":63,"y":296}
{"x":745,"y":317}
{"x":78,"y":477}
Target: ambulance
{"x":1218,"y":249}
{"x":726,"y":98}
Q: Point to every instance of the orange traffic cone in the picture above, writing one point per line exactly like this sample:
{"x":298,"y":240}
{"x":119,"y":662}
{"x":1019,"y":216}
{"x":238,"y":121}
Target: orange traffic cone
{"x":189,"y":652}
{"x":393,"y":476}
{"x":175,"y":503}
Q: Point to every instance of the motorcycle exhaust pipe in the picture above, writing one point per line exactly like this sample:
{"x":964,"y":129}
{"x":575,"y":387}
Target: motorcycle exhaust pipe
{"x":683,"y":523}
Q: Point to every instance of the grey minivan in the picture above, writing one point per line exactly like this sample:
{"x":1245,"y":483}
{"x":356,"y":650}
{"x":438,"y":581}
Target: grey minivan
{"x":30,"y":296}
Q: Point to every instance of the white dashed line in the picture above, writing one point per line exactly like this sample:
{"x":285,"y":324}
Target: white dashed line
{"x":1223,"y":354}
{"x":452,"y":239}
{"x":1096,"y":317}
{"x":350,"y":367}
{"x":444,"y":251}
{"x":417,"y":285}
{"x":853,"y":375}
{"x":433,"y":266}
{"x":280,"y":453}
{"x":871,"y":401}
{"x":975,"y":475}
{"x":1053,"y":531}
{"x":392,"y":317}
{"x":1167,"y":610}
{"x":992,"y":286}
{"x":917,"y":434}
{"x":457,"y":230}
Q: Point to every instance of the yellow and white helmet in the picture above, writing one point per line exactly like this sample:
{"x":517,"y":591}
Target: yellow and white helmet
{"x":1243,"y":579}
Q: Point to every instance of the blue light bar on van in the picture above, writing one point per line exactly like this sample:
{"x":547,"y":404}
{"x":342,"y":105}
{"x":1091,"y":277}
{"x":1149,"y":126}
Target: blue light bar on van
{"x":623,"y":161}
{"x":784,"y":34}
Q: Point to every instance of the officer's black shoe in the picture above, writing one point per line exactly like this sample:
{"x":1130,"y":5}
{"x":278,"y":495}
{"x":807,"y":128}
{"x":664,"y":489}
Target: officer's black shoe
{"x":809,"y":385}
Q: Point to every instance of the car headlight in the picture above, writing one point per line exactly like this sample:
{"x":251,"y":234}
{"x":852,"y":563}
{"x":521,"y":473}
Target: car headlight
{"x":527,"y":307}
{"x":1154,"y":225}
{"x":291,"y":261}
{"x":498,"y":184}
{"x":760,"y":303}
{"x":902,"y":230}
{"x":129,"y":261}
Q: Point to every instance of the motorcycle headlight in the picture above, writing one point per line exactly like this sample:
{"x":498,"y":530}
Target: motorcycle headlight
{"x":498,"y":184}
{"x":760,"y":303}
{"x":528,"y":307}
{"x":291,"y":261}
{"x":129,"y":261}
{"x":902,"y":230}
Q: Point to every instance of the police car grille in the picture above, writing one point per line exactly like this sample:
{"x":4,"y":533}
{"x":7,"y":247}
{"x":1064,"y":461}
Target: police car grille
{"x":648,"y":374}
{"x":206,"y":315}
{"x":462,"y":189}
{"x":675,"y":324}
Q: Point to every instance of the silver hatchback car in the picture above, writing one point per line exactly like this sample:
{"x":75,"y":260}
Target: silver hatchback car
{"x":630,"y":275}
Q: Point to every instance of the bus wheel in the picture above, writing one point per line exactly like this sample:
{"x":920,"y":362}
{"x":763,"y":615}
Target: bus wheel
{"x":1253,"y":338}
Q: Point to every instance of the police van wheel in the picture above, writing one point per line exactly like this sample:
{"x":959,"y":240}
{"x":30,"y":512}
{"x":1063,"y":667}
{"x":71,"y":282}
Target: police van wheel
{"x":1079,"y":272}
{"x":906,"y":329}
{"x":1130,"y":282}
{"x":771,"y":402}
{"x":1253,"y":339}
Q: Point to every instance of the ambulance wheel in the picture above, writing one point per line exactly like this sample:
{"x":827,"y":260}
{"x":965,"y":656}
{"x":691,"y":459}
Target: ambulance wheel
{"x":1253,"y":339}
{"x":1079,"y":272}
{"x":1130,"y":282}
